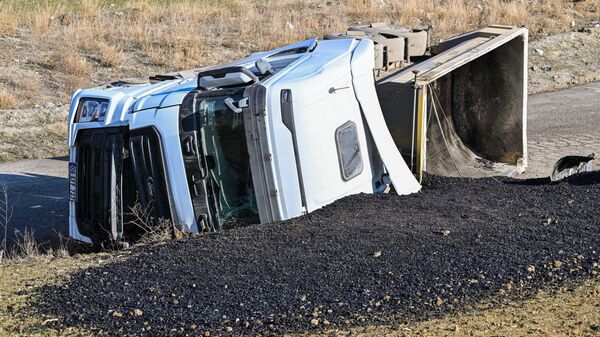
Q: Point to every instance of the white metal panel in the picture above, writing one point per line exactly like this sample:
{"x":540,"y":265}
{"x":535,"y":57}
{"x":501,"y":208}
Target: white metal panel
{"x":364,"y":87}
{"x":166,"y":122}
{"x":323,"y":100}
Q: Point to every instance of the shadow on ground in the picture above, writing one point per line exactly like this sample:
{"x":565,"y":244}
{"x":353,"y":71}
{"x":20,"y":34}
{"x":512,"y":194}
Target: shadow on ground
{"x":38,"y":203}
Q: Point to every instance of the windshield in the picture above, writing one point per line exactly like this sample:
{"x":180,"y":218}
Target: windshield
{"x":224,"y":142}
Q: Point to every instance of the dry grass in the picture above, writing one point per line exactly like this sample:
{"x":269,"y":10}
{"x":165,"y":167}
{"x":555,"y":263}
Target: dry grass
{"x":98,"y":40}
{"x":154,"y":230}
{"x":7,"y":99}
{"x":18,"y":283}
{"x":109,"y":56}
{"x":44,"y":129}
{"x":570,"y":311}
{"x":69,"y":63}
{"x":8,"y":26}
{"x":48,"y":49}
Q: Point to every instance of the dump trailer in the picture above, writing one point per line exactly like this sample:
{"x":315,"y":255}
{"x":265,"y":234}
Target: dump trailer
{"x":281,"y":133}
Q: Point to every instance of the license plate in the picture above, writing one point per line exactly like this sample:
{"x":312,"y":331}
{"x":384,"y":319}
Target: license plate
{"x":72,"y":181}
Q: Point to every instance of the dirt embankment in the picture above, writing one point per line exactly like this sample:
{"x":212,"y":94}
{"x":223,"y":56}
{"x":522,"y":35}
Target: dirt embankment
{"x":565,"y":59}
{"x":555,"y":62}
{"x":364,"y":259}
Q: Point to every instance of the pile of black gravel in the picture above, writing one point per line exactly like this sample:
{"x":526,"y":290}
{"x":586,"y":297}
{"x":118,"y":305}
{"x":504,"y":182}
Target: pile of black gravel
{"x":364,"y":259}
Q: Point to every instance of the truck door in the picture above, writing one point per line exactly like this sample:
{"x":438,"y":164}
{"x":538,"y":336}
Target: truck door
{"x":330,"y":141}
{"x":216,"y":159}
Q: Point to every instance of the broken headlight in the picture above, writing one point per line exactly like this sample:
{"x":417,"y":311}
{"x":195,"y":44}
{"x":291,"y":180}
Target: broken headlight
{"x":92,"y":110}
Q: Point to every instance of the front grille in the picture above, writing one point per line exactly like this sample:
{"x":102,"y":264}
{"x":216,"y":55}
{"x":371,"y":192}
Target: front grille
{"x":118,"y":169}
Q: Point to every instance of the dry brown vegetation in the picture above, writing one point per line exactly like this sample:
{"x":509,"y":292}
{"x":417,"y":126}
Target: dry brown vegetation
{"x":568,"y":311}
{"x":48,"y":49}
{"x":64,"y":45}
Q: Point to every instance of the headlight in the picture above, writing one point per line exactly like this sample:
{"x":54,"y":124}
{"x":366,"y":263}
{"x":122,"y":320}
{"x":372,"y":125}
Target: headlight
{"x":92,"y":110}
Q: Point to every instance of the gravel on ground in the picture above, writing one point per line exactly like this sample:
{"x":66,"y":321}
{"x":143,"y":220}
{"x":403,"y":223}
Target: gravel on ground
{"x":365,"y":259}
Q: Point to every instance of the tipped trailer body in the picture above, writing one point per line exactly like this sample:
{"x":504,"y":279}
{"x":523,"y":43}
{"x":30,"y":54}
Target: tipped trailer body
{"x":282,"y":133}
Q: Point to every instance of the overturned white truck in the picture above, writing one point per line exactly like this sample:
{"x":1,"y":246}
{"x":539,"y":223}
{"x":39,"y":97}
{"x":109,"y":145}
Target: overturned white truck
{"x":281,"y":133}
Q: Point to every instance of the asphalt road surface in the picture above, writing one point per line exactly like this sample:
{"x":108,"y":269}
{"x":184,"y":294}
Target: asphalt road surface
{"x":37,"y":197}
{"x":560,"y":123}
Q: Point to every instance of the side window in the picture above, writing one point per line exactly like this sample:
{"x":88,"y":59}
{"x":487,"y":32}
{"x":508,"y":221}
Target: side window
{"x":348,"y":148}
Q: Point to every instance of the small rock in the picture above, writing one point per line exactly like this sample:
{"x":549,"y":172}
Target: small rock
{"x":439,"y":302}
{"x":175,"y":301}
{"x":137,"y":312}
{"x":246,"y":325}
{"x":66,"y":19}
{"x":289,"y":25}
{"x":326,"y":322}
{"x":314,"y":322}
{"x":557,"y":264}
{"x":49,"y":105}
{"x":117,"y":314}
{"x":530,"y":269}
{"x":539,"y":51}
{"x":377,"y":253}
{"x":229,"y":329}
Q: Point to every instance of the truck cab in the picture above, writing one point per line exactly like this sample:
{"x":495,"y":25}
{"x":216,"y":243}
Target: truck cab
{"x":282,"y":133}
{"x":266,"y":138}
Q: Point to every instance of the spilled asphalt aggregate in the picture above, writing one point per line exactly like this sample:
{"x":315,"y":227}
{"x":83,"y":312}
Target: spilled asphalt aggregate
{"x":365,"y":259}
